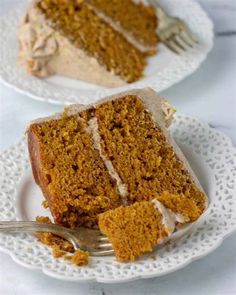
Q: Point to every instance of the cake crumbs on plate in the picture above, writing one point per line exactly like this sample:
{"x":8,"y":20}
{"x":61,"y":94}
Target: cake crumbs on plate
{"x":61,"y":247}
{"x":43,"y":219}
{"x":57,"y":252}
{"x":153,"y":256}
{"x":45,"y":204}
{"x":78,"y":258}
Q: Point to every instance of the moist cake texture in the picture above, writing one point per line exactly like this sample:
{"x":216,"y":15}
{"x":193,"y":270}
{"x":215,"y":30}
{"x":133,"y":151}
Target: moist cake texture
{"x":133,"y":230}
{"x":94,"y":41}
{"x":71,"y":174}
{"x":137,"y":228}
{"x":136,"y":18}
{"x":81,"y":25}
{"x":117,"y":152}
{"x":141,"y":154}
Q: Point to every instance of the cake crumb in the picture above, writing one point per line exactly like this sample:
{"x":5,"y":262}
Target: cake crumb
{"x":43,"y":219}
{"x":45,"y":204}
{"x":153,"y":256}
{"x":57,"y":252}
{"x":61,"y":247}
{"x":79,"y":257}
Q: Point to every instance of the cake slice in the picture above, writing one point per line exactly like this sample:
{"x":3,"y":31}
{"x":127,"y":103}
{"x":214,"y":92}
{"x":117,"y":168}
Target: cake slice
{"x":93,"y":41}
{"x":94,"y":158}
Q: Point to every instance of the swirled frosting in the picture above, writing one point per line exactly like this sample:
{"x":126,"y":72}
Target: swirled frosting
{"x":37,"y":45}
{"x":168,"y":111}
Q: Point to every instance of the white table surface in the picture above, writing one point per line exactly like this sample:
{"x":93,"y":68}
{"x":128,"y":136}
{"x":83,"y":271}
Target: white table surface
{"x":209,"y":94}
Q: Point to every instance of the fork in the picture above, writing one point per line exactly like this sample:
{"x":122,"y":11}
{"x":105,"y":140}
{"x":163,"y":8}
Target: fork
{"x":173,"y":32}
{"x":90,"y":240}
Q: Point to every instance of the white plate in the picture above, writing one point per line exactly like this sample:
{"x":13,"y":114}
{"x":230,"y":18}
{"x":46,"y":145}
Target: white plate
{"x":163,"y":70}
{"x":212,"y":157}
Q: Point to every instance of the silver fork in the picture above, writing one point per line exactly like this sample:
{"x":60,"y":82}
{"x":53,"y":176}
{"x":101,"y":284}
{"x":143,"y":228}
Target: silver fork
{"x":173,"y":32}
{"x":81,"y":238}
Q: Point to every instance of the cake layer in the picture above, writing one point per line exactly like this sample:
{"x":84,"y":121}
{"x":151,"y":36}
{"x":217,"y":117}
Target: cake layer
{"x":137,"y":21}
{"x":133,"y":230}
{"x":70,"y":171}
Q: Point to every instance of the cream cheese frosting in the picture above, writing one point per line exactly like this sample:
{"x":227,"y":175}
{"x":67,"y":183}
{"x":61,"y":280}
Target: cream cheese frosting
{"x":168,"y":111}
{"x":44,"y":52}
{"x":169,"y":220}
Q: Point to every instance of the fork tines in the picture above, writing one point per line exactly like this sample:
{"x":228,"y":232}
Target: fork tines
{"x":180,"y":42}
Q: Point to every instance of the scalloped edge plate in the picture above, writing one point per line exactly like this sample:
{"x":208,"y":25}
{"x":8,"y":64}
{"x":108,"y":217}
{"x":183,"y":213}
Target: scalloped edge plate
{"x":213,"y":158}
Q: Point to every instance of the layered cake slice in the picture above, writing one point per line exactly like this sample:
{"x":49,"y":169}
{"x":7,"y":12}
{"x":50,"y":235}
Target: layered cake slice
{"x":117,"y":152}
{"x":101,"y":42}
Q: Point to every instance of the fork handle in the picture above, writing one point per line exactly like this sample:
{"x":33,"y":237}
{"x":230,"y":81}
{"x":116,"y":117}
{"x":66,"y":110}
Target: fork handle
{"x":33,"y":226}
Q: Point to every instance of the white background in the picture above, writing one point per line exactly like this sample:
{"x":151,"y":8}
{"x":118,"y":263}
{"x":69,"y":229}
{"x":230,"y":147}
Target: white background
{"x":209,"y":94}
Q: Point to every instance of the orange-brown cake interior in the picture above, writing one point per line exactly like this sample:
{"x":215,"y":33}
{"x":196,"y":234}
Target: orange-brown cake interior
{"x":132,"y":230}
{"x":70,"y":171}
{"x":142,"y":156}
{"x":138,"y":19}
{"x":90,"y":160}
{"x":80,"y":24}
{"x":181,"y":204}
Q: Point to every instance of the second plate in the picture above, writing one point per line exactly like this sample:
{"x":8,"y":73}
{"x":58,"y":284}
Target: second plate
{"x":163,"y":70}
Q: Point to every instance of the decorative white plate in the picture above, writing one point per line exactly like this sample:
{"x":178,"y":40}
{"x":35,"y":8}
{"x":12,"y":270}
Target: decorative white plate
{"x":212,"y":157}
{"x":163,"y":70}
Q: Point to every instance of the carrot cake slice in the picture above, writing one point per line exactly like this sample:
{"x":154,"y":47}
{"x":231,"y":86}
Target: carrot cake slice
{"x":91,"y":159}
{"x":101,"y":42}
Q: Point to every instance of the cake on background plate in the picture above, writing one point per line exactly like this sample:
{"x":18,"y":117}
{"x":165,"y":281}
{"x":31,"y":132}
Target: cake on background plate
{"x":97,"y":41}
{"x":95,"y":162}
